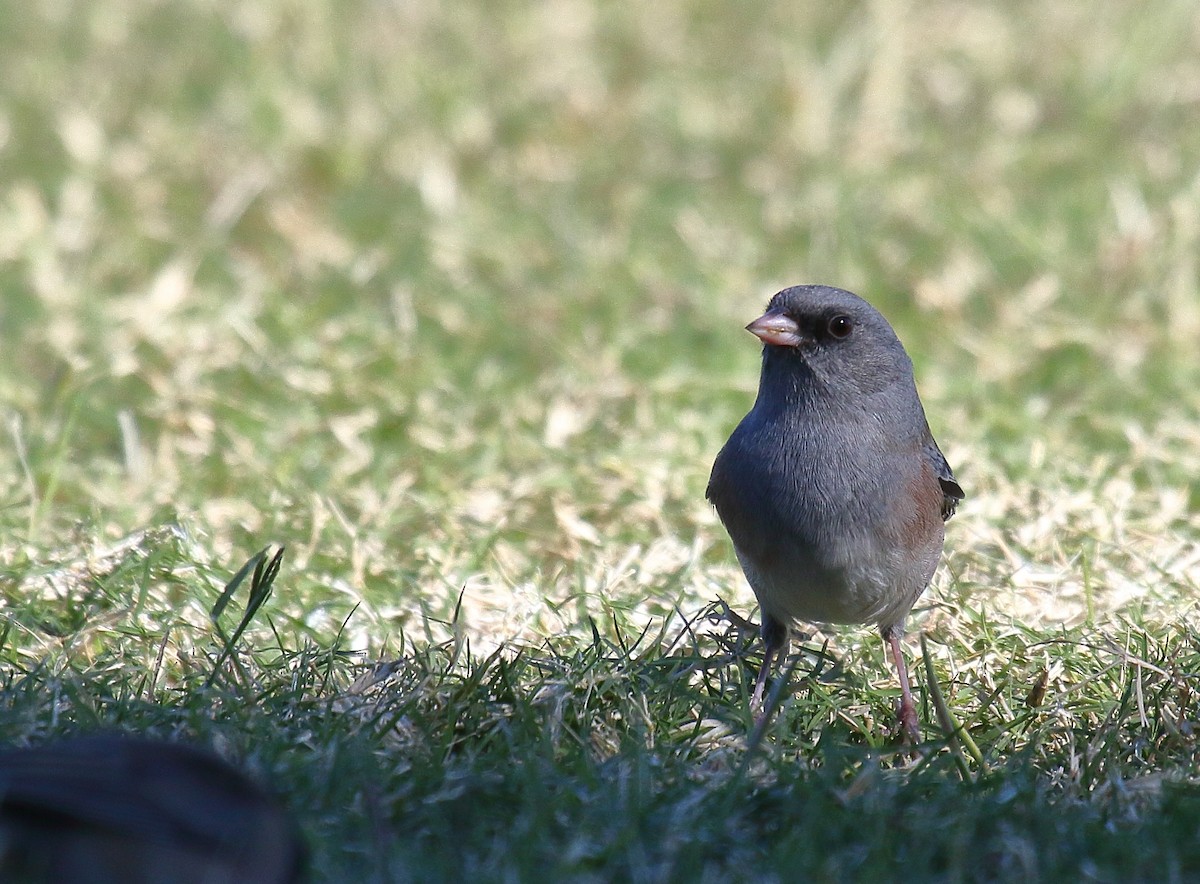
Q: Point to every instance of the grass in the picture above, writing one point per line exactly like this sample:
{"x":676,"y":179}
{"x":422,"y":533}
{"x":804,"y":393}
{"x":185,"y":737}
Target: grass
{"x":447,"y":302}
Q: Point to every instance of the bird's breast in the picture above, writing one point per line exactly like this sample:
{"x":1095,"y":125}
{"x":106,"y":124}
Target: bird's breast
{"x":821,"y":524}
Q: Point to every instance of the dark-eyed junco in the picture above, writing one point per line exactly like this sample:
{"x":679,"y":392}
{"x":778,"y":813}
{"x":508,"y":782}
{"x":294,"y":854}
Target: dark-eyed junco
{"x":832,"y":487}
{"x":113,"y":808}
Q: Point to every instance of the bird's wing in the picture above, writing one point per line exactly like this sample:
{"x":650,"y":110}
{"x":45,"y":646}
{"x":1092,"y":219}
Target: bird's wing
{"x":952,"y":492}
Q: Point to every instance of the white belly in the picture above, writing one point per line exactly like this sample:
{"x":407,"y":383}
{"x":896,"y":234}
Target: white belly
{"x":860,"y":583}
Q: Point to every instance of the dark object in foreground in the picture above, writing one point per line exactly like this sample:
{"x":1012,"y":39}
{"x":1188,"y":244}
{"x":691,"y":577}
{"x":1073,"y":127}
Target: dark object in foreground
{"x":832,"y":488}
{"x":114,"y":809}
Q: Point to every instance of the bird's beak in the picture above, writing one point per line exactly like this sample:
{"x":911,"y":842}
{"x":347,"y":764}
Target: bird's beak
{"x":776,"y":329}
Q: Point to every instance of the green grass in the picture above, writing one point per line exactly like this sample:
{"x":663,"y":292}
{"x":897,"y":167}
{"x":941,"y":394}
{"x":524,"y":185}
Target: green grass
{"x":447,"y":300}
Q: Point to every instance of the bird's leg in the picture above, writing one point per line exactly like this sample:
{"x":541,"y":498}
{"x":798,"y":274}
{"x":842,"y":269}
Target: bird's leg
{"x":908,"y":709}
{"x":775,"y":642}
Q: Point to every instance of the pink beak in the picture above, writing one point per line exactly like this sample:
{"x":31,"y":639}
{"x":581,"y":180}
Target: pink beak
{"x":776,"y":329}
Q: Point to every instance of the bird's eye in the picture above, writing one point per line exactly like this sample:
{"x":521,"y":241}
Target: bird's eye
{"x":840,"y":326}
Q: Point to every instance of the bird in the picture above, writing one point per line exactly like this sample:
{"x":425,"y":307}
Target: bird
{"x":120,"y":808}
{"x":832,"y":488}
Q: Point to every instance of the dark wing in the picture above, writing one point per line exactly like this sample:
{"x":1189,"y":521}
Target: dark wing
{"x":716,"y":480}
{"x":952,"y":492}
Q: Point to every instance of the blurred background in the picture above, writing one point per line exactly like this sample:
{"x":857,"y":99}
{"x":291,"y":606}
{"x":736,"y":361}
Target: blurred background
{"x":448,"y":298}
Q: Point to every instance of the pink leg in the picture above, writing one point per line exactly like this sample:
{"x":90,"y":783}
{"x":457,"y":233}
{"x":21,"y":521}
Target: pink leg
{"x":775,"y":642}
{"x":908,"y":709}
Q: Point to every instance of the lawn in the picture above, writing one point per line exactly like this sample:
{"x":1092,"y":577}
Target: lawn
{"x":447,"y":301}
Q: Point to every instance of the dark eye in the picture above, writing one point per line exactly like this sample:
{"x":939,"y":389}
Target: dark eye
{"x":840,"y":326}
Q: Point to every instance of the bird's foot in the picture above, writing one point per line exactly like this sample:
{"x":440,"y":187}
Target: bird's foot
{"x":910,"y":726}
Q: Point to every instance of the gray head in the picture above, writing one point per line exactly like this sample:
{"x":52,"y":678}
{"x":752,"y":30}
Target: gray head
{"x":820,"y":341}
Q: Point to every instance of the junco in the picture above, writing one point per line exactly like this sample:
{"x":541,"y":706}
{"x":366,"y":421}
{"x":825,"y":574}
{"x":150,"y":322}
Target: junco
{"x":832,"y":488}
{"x":113,"y":808}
